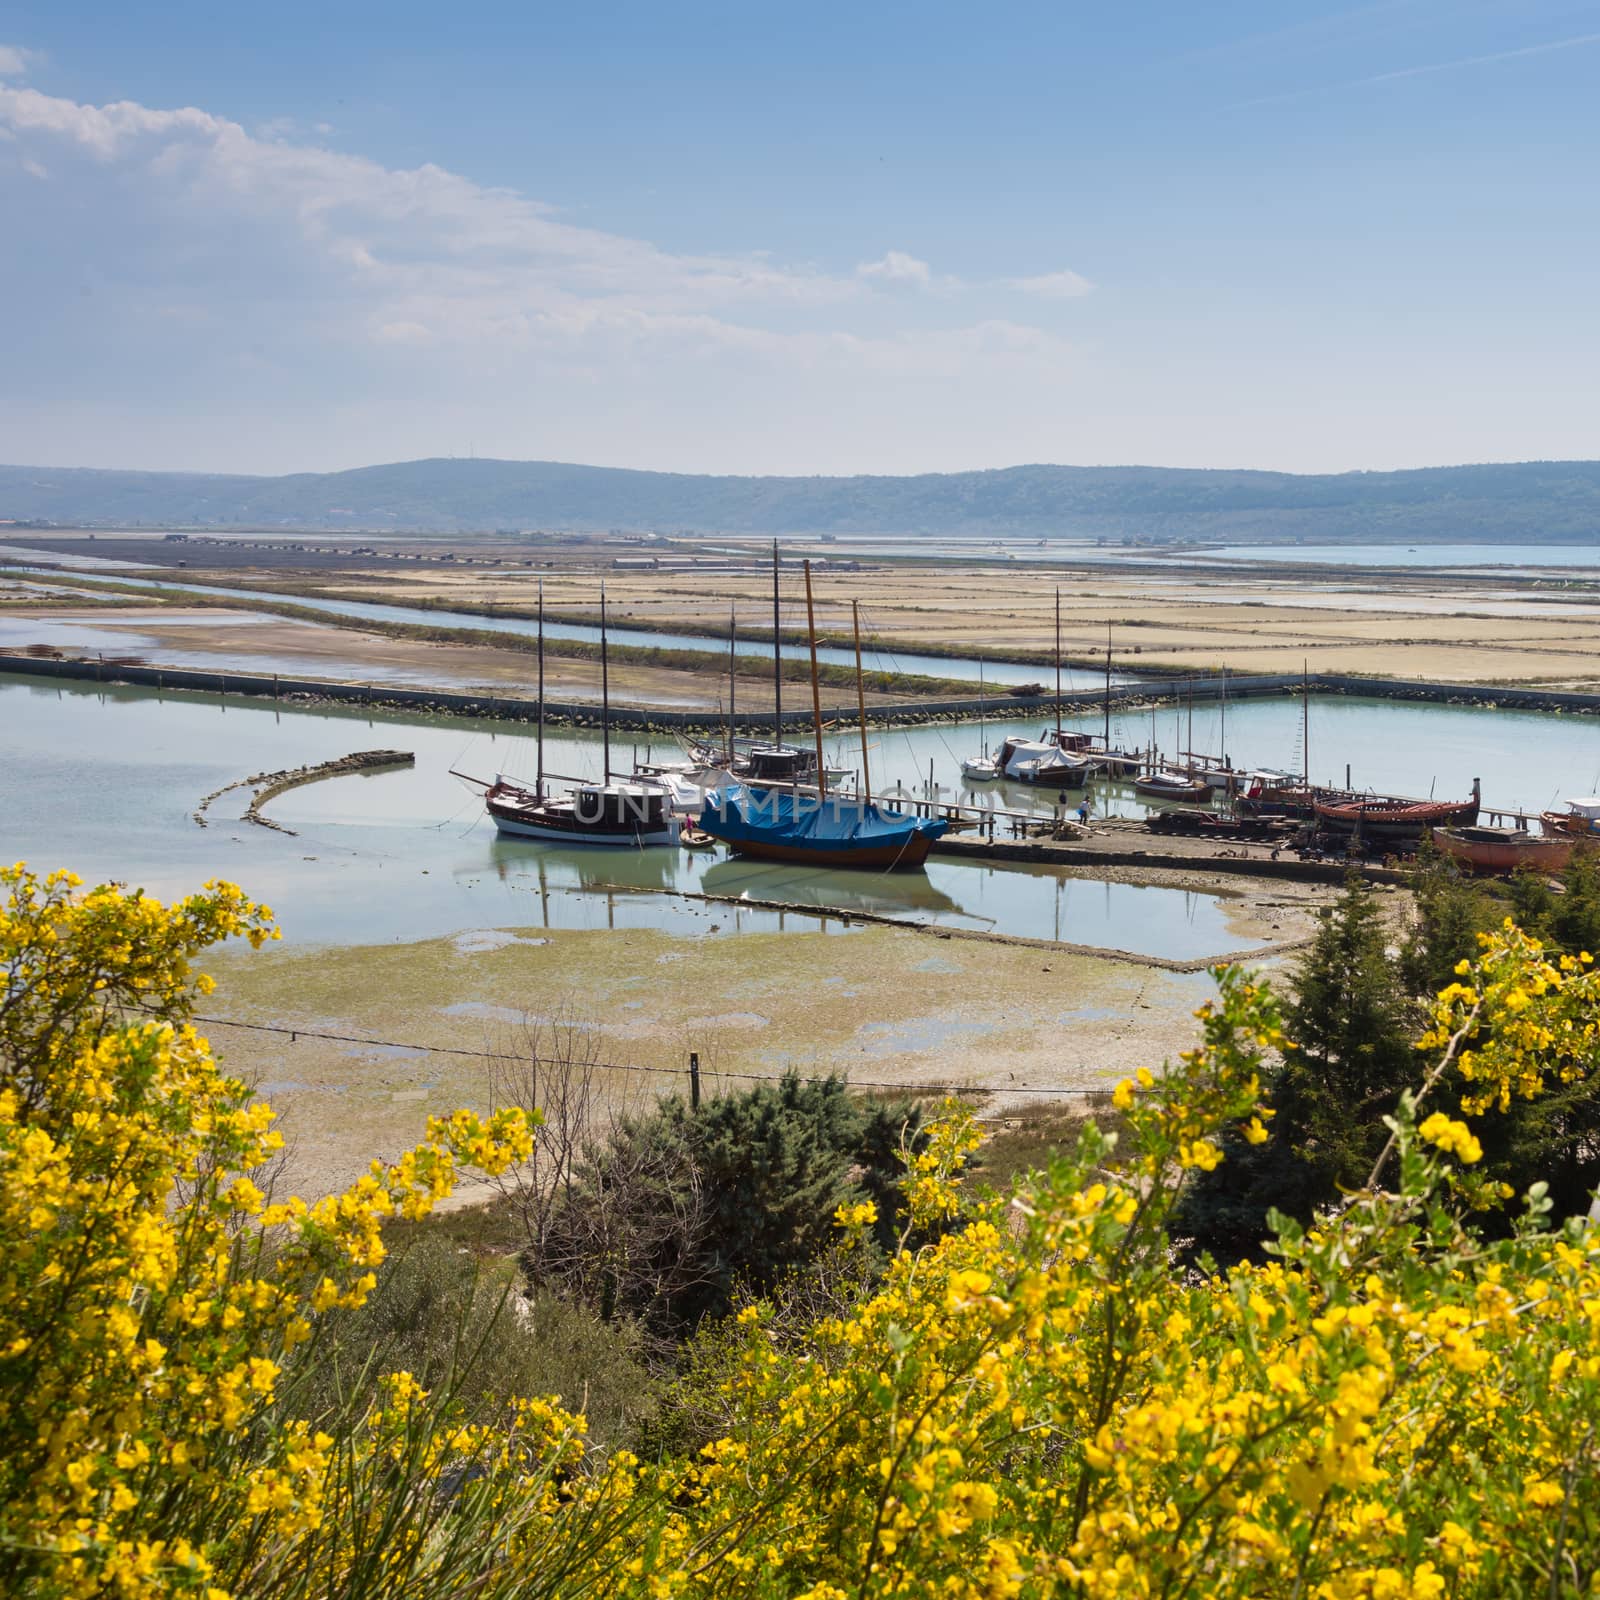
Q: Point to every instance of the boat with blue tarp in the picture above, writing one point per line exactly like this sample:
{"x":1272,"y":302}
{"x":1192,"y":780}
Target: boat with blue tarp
{"x":804,"y":823}
{"x":823,"y":830}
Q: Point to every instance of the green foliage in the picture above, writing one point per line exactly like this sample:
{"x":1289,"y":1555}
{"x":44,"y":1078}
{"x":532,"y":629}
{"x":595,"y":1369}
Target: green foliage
{"x":677,"y":1212}
{"x":460,"y":1324}
{"x":1342,"y":1072}
{"x":1451,"y":911}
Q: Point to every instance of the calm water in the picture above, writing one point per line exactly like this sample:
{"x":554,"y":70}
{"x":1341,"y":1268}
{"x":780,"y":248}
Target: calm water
{"x":872,"y":658}
{"x":1444,"y":557}
{"x":1003,"y":551}
{"x":105,"y":782}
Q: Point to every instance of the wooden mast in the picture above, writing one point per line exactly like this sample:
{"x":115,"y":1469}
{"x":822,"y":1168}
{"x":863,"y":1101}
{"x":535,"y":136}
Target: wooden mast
{"x":1058,"y":668}
{"x":861,"y":703}
{"x":605,"y":690}
{"x":816,"y":690}
{"x":1305,"y":716}
{"x":538,"y":782}
{"x":733,"y":639}
{"x":777,"y":655}
{"x":1105,"y":738}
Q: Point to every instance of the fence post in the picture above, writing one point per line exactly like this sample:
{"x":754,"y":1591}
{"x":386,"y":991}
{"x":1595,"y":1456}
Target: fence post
{"x":694,"y":1080}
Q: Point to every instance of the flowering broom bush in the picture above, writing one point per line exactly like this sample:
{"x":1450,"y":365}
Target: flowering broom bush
{"x":1034,"y":1404}
{"x":155,"y":1303}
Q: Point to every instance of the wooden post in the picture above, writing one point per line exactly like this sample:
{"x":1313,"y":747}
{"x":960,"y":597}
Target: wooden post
{"x":694,"y":1080}
{"x":816,"y":690}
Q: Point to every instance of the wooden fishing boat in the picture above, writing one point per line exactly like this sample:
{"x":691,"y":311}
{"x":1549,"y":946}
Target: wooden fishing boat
{"x":1504,"y":849}
{"x":691,"y":838}
{"x":1172,"y":786}
{"x":1580,"y":820}
{"x":1384,"y":816}
{"x":610,"y":813}
{"x":616,"y":814}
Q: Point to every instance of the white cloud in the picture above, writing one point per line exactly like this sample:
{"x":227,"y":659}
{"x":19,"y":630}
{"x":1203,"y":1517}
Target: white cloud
{"x":897,"y":267}
{"x":409,"y":293}
{"x":1063,"y":285}
{"x":15,"y":61}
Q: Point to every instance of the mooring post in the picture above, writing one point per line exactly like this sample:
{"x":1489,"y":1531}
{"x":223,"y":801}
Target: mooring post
{"x":694,"y":1080}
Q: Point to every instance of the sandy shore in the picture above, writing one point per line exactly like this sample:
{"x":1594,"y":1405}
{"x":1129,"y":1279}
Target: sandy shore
{"x":880,"y":1005}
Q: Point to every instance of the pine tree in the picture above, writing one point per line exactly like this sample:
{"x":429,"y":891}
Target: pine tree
{"x":1350,"y":1024}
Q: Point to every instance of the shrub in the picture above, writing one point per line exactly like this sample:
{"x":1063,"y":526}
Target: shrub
{"x":1032,"y":1403}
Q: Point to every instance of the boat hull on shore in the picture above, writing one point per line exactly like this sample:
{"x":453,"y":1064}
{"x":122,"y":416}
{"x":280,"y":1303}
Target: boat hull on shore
{"x":1504,"y":849}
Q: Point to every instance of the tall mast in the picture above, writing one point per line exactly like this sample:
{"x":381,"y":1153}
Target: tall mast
{"x":983,"y":710}
{"x":1305,"y":716}
{"x":538,"y":782}
{"x":1190,"y":735}
{"x":1226,"y":765}
{"x":733,"y":639}
{"x":861,"y":704}
{"x":777,"y":655}
{"x":816,"y":691}
{"x":605,"y":689}
{"x":1058,"y":667}
{"x":1106,"y":737}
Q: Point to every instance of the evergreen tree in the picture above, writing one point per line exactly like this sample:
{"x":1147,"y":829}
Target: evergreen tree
{"x":1450,"y":914}
{"x":676,"y":1212}
{"x":1350,"y":1057}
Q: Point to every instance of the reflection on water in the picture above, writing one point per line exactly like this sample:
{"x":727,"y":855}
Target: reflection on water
{"x":909,"y":895}
{"x":104,"y":781}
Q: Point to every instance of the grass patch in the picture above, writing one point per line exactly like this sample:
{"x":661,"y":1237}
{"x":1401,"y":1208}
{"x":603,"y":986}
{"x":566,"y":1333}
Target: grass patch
{"x":1029,"y":1138}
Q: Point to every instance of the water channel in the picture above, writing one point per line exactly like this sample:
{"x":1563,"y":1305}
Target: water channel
{"x":873,"y":658}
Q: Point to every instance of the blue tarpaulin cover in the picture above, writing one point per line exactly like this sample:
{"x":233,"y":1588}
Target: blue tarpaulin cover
{"x":803,"y":821}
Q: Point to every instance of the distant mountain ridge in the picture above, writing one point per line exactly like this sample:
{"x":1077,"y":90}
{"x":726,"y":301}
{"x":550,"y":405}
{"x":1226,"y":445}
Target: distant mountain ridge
{"x":1534,"y":501}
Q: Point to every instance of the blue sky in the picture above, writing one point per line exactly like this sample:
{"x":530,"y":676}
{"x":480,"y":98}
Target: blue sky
{"x":802,"y":239}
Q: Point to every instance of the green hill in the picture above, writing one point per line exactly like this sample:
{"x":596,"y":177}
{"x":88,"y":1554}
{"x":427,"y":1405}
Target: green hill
{"x":1552,"y":501}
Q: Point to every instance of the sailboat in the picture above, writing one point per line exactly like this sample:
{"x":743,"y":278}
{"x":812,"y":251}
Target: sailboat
{"x":757,"y":760}
{"x":1053,"y":760}
{"x":1113,"y":763}
{"x":605,"y":813}
{"x":982,"y":768}
{"x":810,"y":825}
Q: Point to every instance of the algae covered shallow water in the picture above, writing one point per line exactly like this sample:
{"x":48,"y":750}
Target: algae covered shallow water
{"x":105,"y":781}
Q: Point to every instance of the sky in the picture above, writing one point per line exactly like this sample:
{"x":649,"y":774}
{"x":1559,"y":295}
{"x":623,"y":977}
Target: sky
{"x":830,"y":238}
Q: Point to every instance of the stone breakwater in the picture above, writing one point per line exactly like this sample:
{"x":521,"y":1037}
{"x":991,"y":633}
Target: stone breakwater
{"x":268,"y":785}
